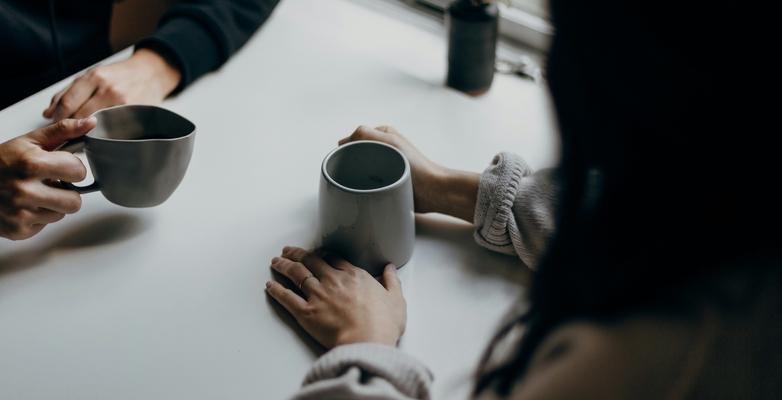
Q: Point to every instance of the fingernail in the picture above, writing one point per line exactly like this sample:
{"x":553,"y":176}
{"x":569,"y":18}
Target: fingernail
{"x":268,"y":284}
{"x":275,"y":260}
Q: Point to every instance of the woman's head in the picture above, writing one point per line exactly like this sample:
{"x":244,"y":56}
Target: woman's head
{"x":662,"y":175}
{"x":666,"y":159}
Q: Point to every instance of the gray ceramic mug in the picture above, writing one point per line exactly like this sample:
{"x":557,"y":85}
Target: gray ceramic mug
{"x":138,"y":154}
{"x":366,"y":205}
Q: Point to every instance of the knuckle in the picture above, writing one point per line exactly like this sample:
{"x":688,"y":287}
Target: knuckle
{"x":362,"y":131}
{"x":351,"y":272}
{"x":22,"y":217}
{"x":66,"y":103}
{"x":97,"y":75}
{"x":308,"y":312}
{"x":27,"y":164}
{"x":115,"y":92}
{"x":15,"y":189}
{"x":350,"y":278}
{"x":19,"y":191}
{"x":315,"y":292}
{"x":294,"y":253}
{"x":62,"y":125}
{"x":110,"y":89}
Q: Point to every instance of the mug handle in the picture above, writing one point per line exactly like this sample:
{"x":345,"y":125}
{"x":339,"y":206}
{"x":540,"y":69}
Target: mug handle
{"x":73,"y":146}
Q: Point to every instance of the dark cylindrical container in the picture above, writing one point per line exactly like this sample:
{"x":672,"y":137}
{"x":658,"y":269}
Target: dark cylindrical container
{"x":472,"y":45}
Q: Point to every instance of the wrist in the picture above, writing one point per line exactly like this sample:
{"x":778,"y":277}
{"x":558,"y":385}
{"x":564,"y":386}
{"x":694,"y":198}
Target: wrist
{"x":346,"y":338}
{"x":161,"y":70}
{"x":455,"y":193}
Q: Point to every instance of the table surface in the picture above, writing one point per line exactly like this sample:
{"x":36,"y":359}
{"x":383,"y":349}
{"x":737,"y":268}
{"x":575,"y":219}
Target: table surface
{"x":169,"y":302}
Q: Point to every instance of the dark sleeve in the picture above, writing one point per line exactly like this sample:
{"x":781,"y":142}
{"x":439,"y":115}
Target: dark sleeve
{"x":198,"y":36}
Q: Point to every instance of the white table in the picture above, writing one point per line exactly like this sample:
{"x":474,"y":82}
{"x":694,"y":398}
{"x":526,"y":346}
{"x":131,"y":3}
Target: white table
{"x":168,"y":302}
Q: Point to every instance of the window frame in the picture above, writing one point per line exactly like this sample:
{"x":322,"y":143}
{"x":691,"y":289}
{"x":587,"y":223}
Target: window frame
{"x":516,"y":24}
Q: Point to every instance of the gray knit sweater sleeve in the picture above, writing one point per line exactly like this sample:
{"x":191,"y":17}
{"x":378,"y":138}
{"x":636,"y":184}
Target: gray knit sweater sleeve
{"x":366,"y":371}
{"x":514,"y":212}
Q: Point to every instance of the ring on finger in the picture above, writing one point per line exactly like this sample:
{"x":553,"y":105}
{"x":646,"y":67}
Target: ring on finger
{"x":305,"y":280}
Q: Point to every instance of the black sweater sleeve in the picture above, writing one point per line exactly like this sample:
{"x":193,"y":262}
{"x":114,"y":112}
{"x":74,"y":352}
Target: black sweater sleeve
{"x":198,"y":36}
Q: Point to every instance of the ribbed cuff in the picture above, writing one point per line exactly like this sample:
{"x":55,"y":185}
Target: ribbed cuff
{"x":188,"y":45}
{"x":405,"y":373}
{"x":496,"y":193}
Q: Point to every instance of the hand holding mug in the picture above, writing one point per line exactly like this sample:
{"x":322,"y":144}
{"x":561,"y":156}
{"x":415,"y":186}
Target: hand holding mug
{"x":138,"y":154}
{"x":29,"y":164}
{"x":339,"y":303}
{"x":435,"y":187}
{"x":425,"y":173}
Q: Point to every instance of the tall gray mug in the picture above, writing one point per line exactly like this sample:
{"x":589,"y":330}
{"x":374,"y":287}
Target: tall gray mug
{"x":138,"y":154}
{"x":366,"y":205}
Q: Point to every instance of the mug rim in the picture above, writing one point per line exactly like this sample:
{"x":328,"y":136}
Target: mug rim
{"x":95,"y":114}
{"x":405,"y":174}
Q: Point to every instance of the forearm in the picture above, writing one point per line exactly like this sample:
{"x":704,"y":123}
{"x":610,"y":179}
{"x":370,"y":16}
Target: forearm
{"x":454,"y":193}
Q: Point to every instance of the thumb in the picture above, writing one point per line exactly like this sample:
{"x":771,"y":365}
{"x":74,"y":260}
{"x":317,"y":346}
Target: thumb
{"x":391,"y":279}
{"x":52,"y":136}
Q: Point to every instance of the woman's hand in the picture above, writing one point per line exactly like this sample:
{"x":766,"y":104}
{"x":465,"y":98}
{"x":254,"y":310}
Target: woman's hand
{"x":144,"y":78}
{"x":435,"y":188}
{"x":28,"y":166}
{"x":339,"y":303}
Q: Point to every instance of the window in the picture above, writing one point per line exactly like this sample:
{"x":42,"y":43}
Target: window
{"x":523,"y":21}
{"x":535,"y":7}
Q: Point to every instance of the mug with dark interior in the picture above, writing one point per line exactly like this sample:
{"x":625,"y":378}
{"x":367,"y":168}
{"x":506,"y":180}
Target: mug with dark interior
{"x":366,"y":205}
{"x":138,"y":154}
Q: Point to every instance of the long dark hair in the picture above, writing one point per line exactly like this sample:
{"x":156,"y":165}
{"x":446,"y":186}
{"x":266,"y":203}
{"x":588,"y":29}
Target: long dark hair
{"x":666,"y":162}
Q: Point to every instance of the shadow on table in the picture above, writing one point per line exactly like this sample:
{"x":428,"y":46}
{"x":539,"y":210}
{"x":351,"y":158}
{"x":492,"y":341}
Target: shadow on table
{"x":458,"y":236}
{"x":97,"y":231}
